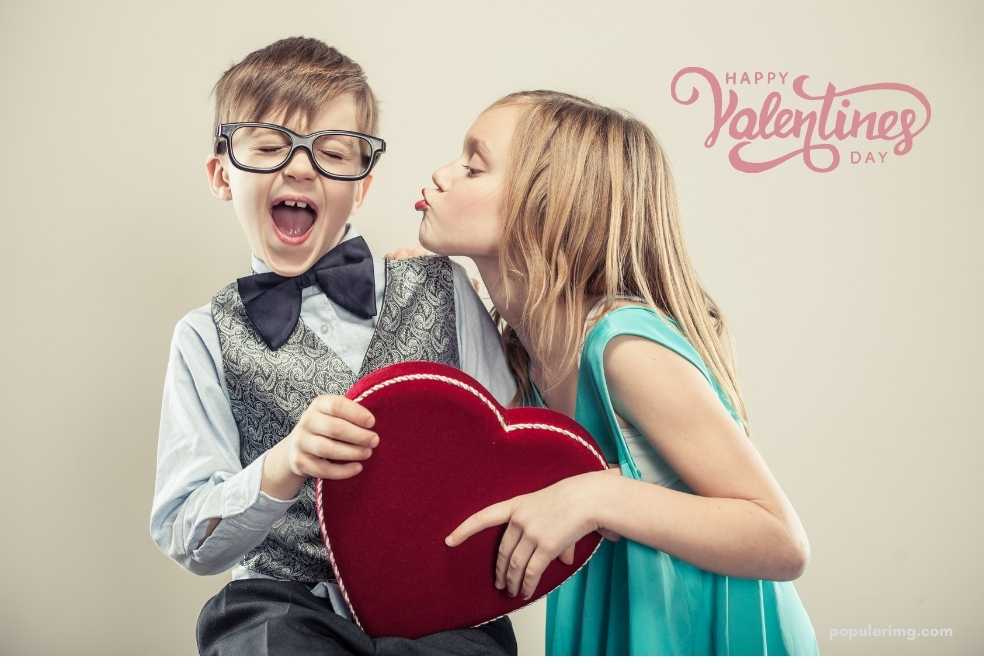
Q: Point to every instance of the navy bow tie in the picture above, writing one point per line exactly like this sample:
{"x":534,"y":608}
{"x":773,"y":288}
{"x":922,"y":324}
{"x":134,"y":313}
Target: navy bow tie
{"x":345,"y":274}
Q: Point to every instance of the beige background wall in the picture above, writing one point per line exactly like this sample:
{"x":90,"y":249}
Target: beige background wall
{"x":854,"y":296}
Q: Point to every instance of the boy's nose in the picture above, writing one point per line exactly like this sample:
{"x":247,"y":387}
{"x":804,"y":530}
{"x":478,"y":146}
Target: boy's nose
{"x":300,"y":166}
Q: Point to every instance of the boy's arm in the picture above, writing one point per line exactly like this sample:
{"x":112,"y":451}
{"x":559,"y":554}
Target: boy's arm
{"x":479,"y":342}
{"x":208,"y":510}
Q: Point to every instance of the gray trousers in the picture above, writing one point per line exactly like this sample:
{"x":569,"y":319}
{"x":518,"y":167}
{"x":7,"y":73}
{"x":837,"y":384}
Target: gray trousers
{"x":272,"y":617}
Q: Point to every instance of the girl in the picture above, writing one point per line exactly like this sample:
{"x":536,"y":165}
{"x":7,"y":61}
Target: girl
{"x":569,"y":212}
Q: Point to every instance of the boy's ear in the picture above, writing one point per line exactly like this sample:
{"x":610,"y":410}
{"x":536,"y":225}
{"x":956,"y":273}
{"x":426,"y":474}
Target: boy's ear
{"x":361,"y":191}
{"x":218,"y":182}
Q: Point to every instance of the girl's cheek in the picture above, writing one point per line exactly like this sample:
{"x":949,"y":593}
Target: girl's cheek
{"x":479,"y":204}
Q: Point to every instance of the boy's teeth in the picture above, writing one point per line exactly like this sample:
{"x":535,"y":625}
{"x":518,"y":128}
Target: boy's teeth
{"x":300,"y":204}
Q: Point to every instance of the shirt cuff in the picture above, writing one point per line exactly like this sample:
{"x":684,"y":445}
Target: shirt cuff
{"x":249,"y":506}
{"x":248,"y":513}
{"x":289,"y":501}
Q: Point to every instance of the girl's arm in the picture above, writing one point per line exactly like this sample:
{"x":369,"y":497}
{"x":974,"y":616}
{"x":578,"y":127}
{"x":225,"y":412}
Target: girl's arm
{"x":741,"y":523}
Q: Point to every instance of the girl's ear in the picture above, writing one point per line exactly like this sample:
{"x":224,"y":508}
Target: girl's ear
{"x":218,"y":182}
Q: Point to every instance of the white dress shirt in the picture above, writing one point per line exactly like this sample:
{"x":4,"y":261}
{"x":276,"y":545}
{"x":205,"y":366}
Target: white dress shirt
{"x":199,"y":474}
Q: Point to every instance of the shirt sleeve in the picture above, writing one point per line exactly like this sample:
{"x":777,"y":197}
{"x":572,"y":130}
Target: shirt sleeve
{"x":199,"y":475}
{"x":479,"y":342}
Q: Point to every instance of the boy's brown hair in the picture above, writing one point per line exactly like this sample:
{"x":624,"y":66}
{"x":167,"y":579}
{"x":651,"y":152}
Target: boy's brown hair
{"x":296,"y":74}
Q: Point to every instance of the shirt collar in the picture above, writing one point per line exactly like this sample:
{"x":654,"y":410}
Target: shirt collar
{"x":259,"y":266}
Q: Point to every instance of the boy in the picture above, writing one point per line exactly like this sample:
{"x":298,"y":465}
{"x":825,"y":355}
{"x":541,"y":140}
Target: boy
{"x":252,"y":409}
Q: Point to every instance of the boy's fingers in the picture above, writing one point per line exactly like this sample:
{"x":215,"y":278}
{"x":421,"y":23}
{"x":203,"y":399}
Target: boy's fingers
{"x":330,"y":470}
{"x":335,"y":450}
{"x":344,"y":408}
{"x":337,"y":428}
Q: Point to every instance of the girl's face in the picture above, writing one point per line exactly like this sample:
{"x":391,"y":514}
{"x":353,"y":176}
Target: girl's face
{"x":462,"y":217}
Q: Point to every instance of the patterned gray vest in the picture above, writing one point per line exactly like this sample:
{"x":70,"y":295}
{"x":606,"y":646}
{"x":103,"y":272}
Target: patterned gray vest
{"x":269,"y":390}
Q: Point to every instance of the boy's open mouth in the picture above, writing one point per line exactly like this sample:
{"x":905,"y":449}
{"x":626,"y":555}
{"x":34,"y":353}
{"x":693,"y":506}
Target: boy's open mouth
{"x":293,"y":222}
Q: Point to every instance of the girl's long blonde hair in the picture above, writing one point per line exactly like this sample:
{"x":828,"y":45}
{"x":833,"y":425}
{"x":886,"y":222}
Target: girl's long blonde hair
{"x":590,"y":212}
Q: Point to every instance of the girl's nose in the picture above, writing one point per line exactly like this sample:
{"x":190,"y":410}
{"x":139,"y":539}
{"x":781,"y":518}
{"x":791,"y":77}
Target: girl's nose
{"x":440,"y":178}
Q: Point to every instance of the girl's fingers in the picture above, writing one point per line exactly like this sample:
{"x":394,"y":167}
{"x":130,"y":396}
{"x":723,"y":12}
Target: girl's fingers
{"x":493,"y":515}
{"x":609,"y":535}
{"x":507,"y":545}
{"x":407,"y":252}
{"x":567,"y":557}
{"x":534,"y":570}
{"x":518,"y":562}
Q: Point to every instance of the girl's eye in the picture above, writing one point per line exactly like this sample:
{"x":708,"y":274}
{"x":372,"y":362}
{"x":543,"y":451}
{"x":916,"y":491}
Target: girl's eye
{"x":471,"y":171}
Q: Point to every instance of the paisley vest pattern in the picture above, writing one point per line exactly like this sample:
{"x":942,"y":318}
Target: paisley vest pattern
{"x":269,"y":390}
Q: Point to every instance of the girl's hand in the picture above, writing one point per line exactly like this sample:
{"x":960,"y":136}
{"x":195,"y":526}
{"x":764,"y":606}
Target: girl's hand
{"x":413,"y":252}
{"x":543,"y":525}
{"x":408,"y":252}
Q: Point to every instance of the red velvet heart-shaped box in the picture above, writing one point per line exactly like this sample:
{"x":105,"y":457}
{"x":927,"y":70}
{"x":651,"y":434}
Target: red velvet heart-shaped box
{"x":447,"y":449}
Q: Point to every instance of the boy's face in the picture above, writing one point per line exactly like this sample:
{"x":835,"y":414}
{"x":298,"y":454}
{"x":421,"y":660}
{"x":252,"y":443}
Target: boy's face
{"x":253,"y":194}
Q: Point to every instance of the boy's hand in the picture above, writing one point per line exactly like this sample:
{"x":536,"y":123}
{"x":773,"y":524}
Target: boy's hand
{"x":332,"y":432}
{"x":329,"y":440}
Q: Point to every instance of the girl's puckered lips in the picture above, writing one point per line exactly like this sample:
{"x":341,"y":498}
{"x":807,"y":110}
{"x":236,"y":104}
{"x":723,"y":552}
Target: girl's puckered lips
{"x":422,"y":204}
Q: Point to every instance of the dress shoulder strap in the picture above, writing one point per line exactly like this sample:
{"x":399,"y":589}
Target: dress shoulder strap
{"x":643,"y":321}
{"x":594,"y":403}
{"x":592,"y":318}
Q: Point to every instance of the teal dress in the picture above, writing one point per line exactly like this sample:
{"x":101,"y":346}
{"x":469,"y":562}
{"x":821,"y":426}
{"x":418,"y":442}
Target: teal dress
{"x":632,"y":599}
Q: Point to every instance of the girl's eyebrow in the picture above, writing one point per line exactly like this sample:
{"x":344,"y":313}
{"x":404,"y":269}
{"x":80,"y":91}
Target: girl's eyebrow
{"x":480,"y":146}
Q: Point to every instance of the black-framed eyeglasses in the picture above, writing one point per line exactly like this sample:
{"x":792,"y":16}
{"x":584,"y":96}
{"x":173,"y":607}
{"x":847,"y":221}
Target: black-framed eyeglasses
{"x":261,"y":147}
